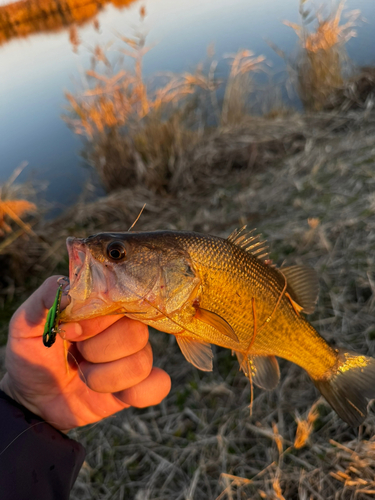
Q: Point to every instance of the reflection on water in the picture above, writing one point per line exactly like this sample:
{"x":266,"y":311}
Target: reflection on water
{"x":20,"y":19}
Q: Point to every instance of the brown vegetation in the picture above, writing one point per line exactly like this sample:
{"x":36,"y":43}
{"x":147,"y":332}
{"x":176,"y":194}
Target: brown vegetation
{"x":201,"y":442}
{"x":320,"y":64}
{"x":357,"y":92}
{"x":135,"y":136}
{"x":13,"y":208}
{"x":22,"y":18}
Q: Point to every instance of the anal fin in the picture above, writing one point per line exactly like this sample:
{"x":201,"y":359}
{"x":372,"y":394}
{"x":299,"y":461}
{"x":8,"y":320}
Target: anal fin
{"x":265,"y":372}
{"x":199,"y":354}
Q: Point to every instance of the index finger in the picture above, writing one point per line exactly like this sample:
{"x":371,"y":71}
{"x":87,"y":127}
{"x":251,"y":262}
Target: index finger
{"x":86,"y":328}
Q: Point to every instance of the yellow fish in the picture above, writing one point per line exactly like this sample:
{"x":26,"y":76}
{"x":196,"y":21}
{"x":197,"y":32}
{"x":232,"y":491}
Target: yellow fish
{"x":209,"y":290}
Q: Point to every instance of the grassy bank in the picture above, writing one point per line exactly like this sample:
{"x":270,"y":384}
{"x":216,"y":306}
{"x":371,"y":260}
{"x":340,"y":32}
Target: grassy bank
{"x":315,"y":205}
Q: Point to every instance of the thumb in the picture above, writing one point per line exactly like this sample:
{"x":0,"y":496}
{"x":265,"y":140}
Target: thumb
{"x":29,"y":317}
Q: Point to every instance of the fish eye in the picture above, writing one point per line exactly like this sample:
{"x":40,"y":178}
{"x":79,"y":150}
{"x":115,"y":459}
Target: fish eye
{"x":116,"y":251}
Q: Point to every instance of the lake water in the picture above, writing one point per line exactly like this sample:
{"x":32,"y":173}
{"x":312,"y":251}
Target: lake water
{"x":35,"y":71}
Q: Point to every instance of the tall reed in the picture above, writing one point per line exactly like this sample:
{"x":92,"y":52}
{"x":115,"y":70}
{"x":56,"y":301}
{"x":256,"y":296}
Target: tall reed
{"x":322,"y":57}
{"x":136,"y":133}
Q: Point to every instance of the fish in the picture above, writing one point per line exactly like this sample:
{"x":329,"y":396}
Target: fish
{"x":207,"y":290}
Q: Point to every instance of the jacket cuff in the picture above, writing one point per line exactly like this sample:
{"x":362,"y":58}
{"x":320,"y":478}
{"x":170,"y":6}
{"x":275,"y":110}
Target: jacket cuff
{"x":36,"y":460}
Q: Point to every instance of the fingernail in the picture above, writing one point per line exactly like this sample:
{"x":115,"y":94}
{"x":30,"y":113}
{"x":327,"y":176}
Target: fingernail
{"x":63,"y":281}
{"x":72,"y":330}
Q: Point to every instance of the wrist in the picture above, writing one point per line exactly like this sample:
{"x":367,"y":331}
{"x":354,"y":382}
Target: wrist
{"x":7,"y":387}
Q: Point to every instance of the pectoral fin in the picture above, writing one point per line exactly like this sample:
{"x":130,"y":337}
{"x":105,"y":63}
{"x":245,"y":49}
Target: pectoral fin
{"x":197,"y":353}
{"x":265,"y":372}
{"x":216,"y":322}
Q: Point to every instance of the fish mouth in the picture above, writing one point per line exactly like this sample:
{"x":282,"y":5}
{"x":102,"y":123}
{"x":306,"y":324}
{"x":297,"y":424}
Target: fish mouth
{"x":89,"y":284}
{"x":77,"y":257}
{"x":81,"y":282}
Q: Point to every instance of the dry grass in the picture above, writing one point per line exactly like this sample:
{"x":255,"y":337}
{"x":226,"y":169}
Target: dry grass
{"x":314,"y":202}
{"x":13,"y":208}
{"x":136,"y":134}
{"x":18,"y":216}
{"x":321,"y":62}
{"x":117,"y":97}
{"x":201,"y":442}
{"x":132,"y":136}
{"x":358,"y":93}
{"x":238,"y":87}
{"x":139,"y":135}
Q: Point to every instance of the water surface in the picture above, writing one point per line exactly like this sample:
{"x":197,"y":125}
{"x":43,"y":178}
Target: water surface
{"x":36,"y":70}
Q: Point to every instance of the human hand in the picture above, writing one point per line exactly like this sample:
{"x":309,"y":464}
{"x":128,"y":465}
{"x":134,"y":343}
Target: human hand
{"x":109,"y":358}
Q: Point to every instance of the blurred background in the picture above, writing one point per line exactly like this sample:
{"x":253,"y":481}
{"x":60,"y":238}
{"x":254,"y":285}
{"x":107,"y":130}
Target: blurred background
{"x":214,"y":114}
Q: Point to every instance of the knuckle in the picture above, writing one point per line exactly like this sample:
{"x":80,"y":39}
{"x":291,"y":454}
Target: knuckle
{"x":143,"y":362}
{"x":137,"y":331}
{"x":85,"y":350}
{"x":142,"y":335}
{"x":87,"y":376}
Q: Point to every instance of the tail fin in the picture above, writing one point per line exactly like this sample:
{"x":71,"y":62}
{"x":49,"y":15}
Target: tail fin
{"x":348,"y":386}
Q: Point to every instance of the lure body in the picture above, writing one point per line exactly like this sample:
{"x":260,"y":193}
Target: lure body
{"x":51,"y":327}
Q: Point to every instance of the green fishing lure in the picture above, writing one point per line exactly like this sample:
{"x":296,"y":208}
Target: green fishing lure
{"x":51,"y":327}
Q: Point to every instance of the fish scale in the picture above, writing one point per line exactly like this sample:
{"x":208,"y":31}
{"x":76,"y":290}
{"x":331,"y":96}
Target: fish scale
{"x":208,"y":290}
{"x":251,"y":278}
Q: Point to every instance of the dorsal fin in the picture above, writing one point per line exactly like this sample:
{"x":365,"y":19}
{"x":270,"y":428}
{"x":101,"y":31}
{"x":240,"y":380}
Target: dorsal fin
{"x":303,"y":282}
{"x":250,"y":241}
{"x":197,"y":353}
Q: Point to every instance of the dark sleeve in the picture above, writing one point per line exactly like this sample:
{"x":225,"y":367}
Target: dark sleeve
{"x":36,"y":460}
